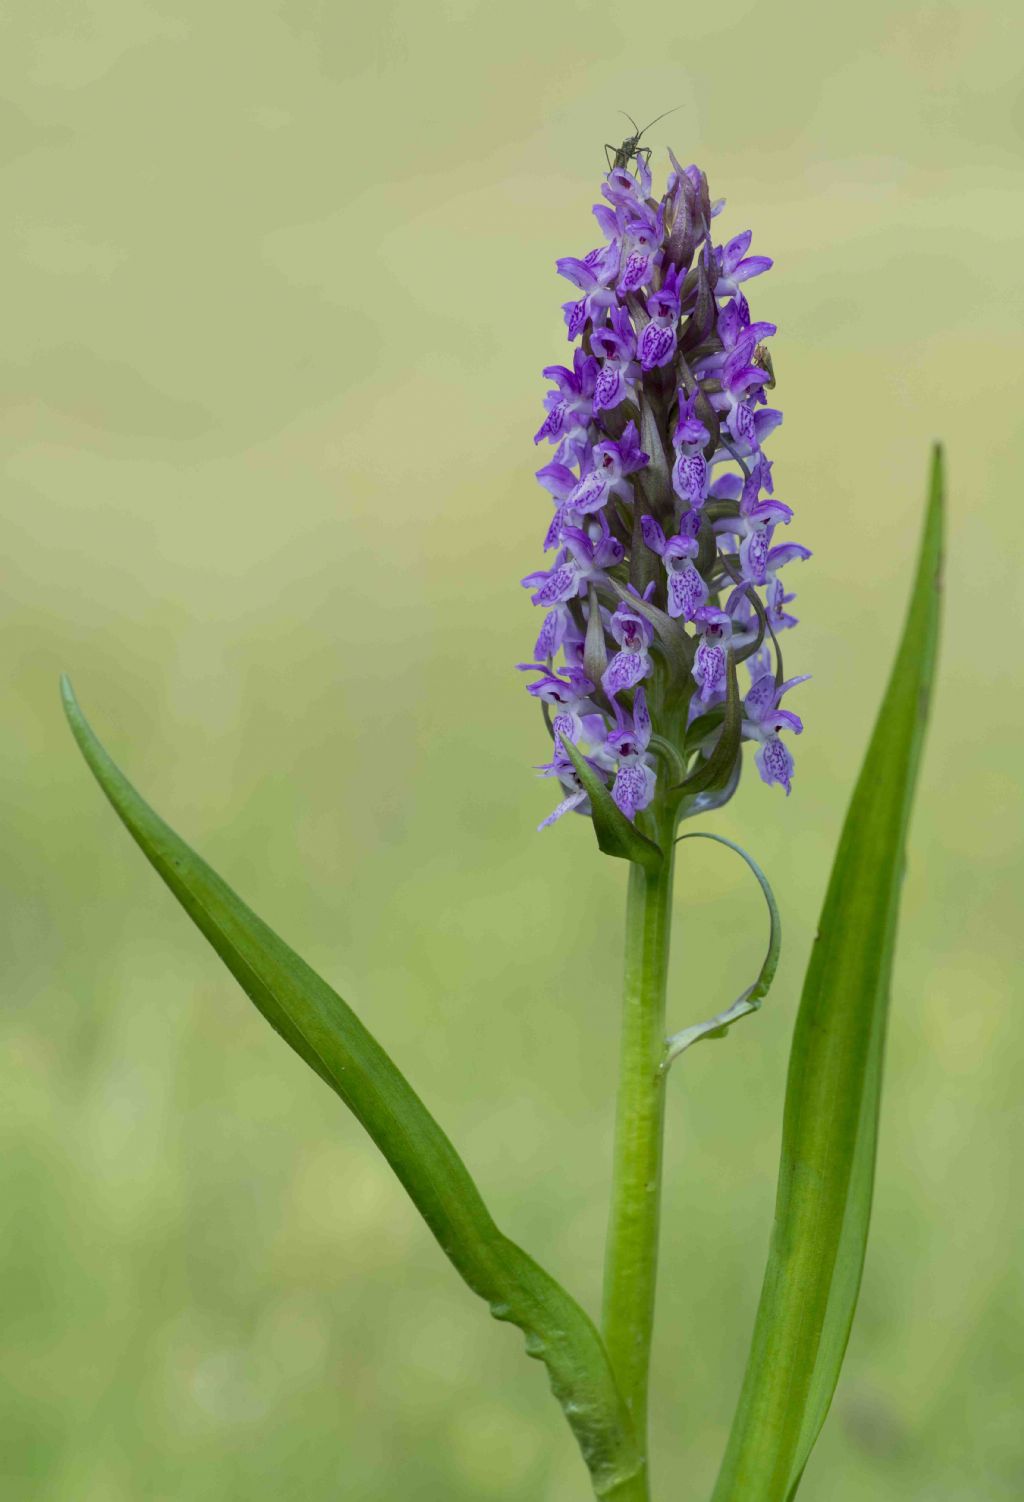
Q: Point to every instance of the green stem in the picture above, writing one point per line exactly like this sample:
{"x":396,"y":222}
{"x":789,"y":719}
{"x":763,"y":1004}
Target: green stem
{"x":632,"y":1252}
{"x":634,"y":1489}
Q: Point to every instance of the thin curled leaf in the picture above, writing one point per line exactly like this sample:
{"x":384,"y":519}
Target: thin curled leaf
{"x":616,"y":835}
{"x":753,"y":996}
{"x":323,"y":1031}
{"x":830,"y":1124}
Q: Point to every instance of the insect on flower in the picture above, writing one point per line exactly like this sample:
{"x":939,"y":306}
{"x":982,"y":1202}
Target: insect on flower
{"x":621,"y":156}
{"x":762,"y":358}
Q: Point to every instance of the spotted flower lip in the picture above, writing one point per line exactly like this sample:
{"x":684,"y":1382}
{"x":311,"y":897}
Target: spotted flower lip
{"x":610,"y":463}
{"x":665,"y":532}
{"x":632,"y":662}
{"x":764,"y":720}
{"x":635,"y":779}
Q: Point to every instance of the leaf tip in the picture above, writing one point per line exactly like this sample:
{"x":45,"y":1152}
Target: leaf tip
{"x":938,"y":475}
{"x":77,"y":722}
{"x":936,"y":516}
{"x":67,"y":697}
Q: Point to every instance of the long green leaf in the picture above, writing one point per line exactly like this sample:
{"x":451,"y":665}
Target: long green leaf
{"x":831,"y":1115}
{"x":323,"y":1031}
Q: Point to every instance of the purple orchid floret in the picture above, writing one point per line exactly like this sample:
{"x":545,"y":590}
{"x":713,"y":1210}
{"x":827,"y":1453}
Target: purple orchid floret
{"x":763,"y":722}
{"x":666,"y":541}
{"x":685,"y":586}
{"x":611,"y":463}
{"x":635,"y":777}
{"x":659,"y":338}
{"x":580,"y":562}
{"x":710,"y":661}
{"x":570,"y":406}
{"x":633,"y":636}
{"x":615,"y":346}
{"x":690,"y":472}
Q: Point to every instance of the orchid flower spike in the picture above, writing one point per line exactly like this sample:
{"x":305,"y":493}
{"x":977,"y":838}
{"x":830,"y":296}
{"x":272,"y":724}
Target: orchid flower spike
{"x":665,"y":533}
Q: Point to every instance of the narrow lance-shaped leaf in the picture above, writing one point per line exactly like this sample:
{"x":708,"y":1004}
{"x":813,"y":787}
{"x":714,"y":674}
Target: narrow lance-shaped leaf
{"x":323,"y":1030}
{"x":832,"y":1094}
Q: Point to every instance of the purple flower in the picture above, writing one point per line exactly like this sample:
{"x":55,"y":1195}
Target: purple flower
{"x":552,"y":633}
{"x":612,"y":462}
{"x":591,"y":741}
{"x":786,"y":552}
{"x":620,"y":186}
{"x":560,"y":482}
{"x":581,"y":562}
{"x":659,"y":338}
{"x":686,"y":589}
{"x":569,"y":692}
{"x":615,"y":345}
{"x":569,"y":697}
{"x":689,"y":432}
{"x":735,"y":266}
{"x":754,"y":526}
{"x":763,"y":721}
{"x":641,"y":242}
{"x":740,"y":380}
{"x":570,"y":406}
{"x":690,"y":471}
{"x":633,"y":635}
{"x":659,"y":630}
{"x":635,"y":778}
{"x":733,"y":325}
{"x":710,"y":661}
{"x":592,"y":276}
{"x":690,"y":478}
{"x":577,"y":799}
{"x":775,"y":604}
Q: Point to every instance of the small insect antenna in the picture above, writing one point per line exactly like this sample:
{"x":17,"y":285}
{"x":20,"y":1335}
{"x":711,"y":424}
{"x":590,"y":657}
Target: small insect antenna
{"x":655,"y":121}
{"x":636,"y":132}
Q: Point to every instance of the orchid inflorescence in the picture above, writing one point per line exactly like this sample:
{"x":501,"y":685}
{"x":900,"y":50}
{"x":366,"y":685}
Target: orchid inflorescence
{"x":666,"y":569}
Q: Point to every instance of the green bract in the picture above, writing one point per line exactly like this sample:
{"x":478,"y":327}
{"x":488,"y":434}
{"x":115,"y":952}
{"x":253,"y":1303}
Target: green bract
{"x":615,"y":834}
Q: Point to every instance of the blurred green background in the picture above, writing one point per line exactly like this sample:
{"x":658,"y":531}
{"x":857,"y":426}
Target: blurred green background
{"x":279,"y":284}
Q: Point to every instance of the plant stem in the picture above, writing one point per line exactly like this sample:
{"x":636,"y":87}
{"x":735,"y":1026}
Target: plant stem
{"x":631,"y":1258}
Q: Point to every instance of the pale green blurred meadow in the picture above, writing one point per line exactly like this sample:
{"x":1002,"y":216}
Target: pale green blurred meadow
{"x":279,"y":284}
